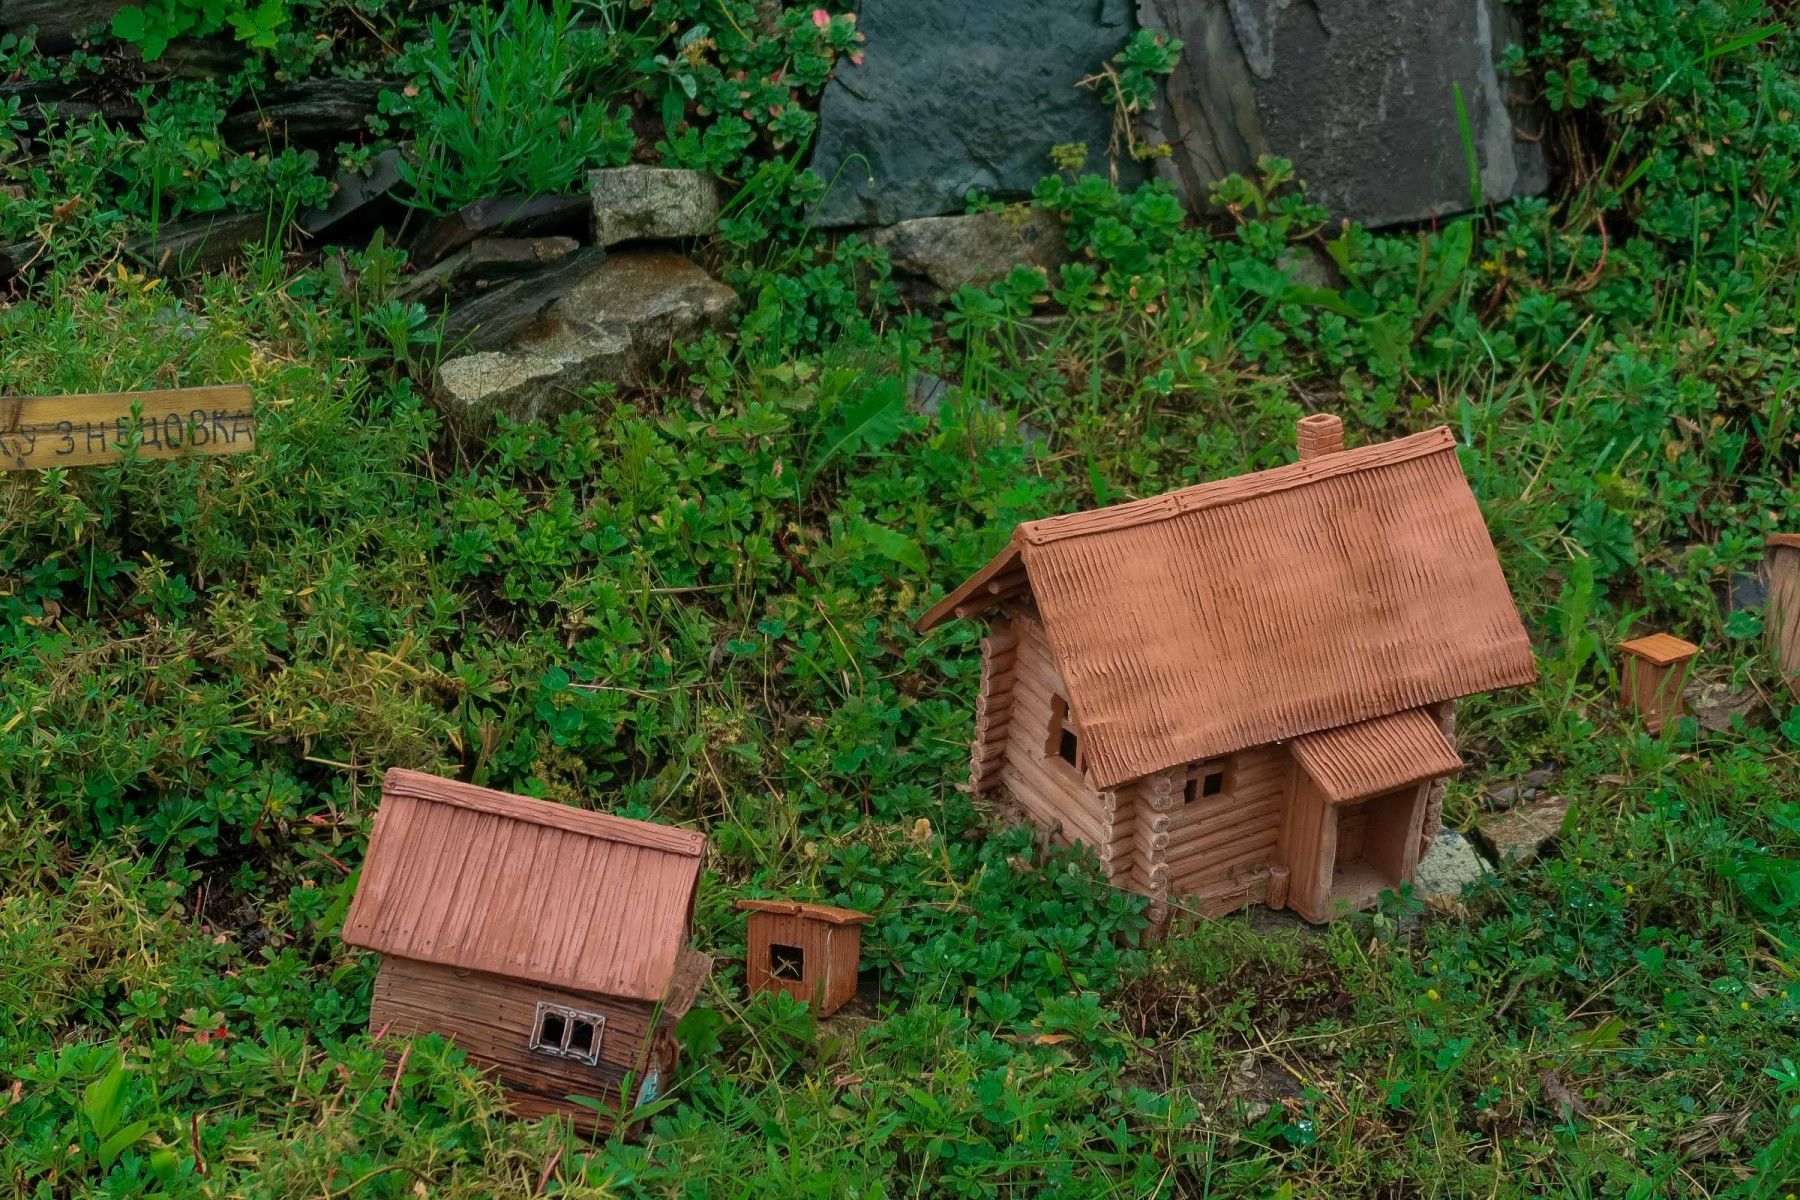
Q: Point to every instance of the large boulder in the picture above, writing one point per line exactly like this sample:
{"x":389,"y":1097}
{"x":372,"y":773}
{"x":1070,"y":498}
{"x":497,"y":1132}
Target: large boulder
{"x":1360,"y":97}
{"x":615,"y":326}
{"x":953,"y":96}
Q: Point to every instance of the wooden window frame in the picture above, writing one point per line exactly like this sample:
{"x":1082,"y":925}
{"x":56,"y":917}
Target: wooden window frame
{"x":1060,"y":723}
{"x":570,"y":1017}
{"x":1193,"y":782}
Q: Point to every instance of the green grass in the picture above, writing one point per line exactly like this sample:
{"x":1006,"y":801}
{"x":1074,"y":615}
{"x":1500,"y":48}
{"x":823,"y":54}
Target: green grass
{"x":693,"y":604}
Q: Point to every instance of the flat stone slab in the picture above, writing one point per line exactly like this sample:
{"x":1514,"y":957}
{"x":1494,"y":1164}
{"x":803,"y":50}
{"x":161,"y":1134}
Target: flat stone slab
{"x":616,"y":325}
{"x":1360,"y":97}
{"x":1520,"y":834}
{"x":1714,"y":704}
{"x":954,"y":96}
{"x":634,"y":204}
{"x":975,"y":248}
{"x":1448,"y":868}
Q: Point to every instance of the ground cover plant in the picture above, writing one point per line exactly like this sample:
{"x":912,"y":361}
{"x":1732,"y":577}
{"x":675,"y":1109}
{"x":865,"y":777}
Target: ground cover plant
{"x":692,"y":603}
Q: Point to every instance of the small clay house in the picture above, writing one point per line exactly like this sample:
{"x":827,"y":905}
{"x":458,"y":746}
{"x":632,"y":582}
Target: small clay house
{"x":1243,"y":691}
{"x":1653,"y":672}
{"x":809,"y":951}
{"x":550,"y":943}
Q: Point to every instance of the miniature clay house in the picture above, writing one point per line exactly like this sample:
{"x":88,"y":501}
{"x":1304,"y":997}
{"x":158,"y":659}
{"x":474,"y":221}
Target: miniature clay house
{"x":550,"y":943}
{"x":1781,"y":615}
{"x":1243,"y":691}
{"x":809,"y":951}
{"x":1652,"y":675}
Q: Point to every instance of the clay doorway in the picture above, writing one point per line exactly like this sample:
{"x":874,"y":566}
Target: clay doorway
{"x":1377,"y":842}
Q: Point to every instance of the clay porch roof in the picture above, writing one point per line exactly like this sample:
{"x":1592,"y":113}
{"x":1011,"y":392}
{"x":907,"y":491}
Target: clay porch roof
{"x":481,"y":880}
{"x":1254,"y":609}
{"x":1352,"y":762}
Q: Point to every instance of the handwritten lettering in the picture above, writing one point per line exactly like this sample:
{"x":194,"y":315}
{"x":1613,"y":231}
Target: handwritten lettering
{"x":44,"y":431}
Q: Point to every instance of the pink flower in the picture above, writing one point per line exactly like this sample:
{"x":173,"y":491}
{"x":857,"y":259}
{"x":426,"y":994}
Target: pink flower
{"x":821,"y":18}
{"x":857,"y":58}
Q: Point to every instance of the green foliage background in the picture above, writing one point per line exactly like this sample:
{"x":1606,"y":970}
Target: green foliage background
{"x":692,"y":604}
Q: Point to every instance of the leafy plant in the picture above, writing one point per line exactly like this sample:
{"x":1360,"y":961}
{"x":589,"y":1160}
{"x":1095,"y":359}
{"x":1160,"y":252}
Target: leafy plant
{"x":499,"y":103}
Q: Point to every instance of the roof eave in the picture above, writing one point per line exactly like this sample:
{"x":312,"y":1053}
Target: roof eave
{"x":969,"y":592}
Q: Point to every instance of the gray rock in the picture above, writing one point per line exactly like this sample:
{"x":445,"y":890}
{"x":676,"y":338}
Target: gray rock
{"x":515,"y":216}
{"x":57,"y":21}
{"x":309,"y":112}
{"x":614,"y":326}
{"x":1747,"y":591}
{"x":953,"y":96}
{"x":1360,"y":97}
{"x":1450,"y":866}
{"x":651,"y":203}
{"x":202,"y":244}
{"x":360,"y":203}
{"x":977,"y":248}
{"x":482,"y":262}
{"x":1520,"y":834}
{"x":1311,"y":267}
{"x":1713,"y":703}
{"x":493,"y":318}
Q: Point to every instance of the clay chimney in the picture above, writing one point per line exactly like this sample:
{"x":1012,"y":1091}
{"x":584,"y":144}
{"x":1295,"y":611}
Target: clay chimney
{"x":1319,"y":435}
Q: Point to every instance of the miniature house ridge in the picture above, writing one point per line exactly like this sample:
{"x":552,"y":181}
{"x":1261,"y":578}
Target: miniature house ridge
{"x":549,"y":942}
{"x":1246,"y":685}
{"x":809,"y":951}
{"x":1781,"y":620}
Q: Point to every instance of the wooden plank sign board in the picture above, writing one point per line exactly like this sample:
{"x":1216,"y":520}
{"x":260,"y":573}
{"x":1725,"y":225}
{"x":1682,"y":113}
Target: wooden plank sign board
{"x":39,"y":432}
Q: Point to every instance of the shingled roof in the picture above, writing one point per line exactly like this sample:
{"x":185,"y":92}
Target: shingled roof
{"x":482,"y":880}
{"x":1250,"y":610}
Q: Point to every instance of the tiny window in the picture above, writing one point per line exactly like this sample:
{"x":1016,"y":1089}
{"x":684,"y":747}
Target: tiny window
{"x":1064,"y":742}
{"x":1206,"y":780}
{"x":564,"y":1032}
{"x":786,"y":962}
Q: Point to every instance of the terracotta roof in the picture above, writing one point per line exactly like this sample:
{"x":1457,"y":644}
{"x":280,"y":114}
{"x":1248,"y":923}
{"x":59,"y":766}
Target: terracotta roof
{"x":482,"y":880}
{"x":1254,"y":609}
{"x":1790,"y":541}
{"x":815,"y":912}
{"x":1660,"y":648}
{"x":1370,"y":757}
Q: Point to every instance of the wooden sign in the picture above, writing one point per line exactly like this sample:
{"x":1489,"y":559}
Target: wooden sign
{"x":40,"y":432}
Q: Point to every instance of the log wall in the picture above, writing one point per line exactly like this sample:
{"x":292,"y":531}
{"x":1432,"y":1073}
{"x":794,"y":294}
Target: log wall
{"x":1781,"y":621}
{"x":491,"y":1017}
{"x":1054,"y":794}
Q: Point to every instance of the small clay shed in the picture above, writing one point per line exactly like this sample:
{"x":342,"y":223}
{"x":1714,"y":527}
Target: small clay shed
{"x":1781,"y":616}
{"x":809,"y":951}
{"x":1243,"y":691}
{"x":1652,"y":674}
{"x":549,"y":942}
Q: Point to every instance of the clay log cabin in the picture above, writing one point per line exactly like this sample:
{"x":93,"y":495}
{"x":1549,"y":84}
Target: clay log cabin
{"x":548,"y":942}
{"x":1781,"y":620}
{"x":1244,"y":691}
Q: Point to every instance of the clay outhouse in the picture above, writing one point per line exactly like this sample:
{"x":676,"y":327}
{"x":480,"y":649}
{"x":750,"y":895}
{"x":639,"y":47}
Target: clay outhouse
{"x":549,"y":942}
{"x":809,"y":951}
{"x":1781,"y":615}
{"x":1653,"y":671}
{"x":1243,"y":691}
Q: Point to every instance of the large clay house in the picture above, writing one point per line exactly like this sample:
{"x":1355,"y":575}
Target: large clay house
{"x":1244,"y":691}
{"x":548,"y":942}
